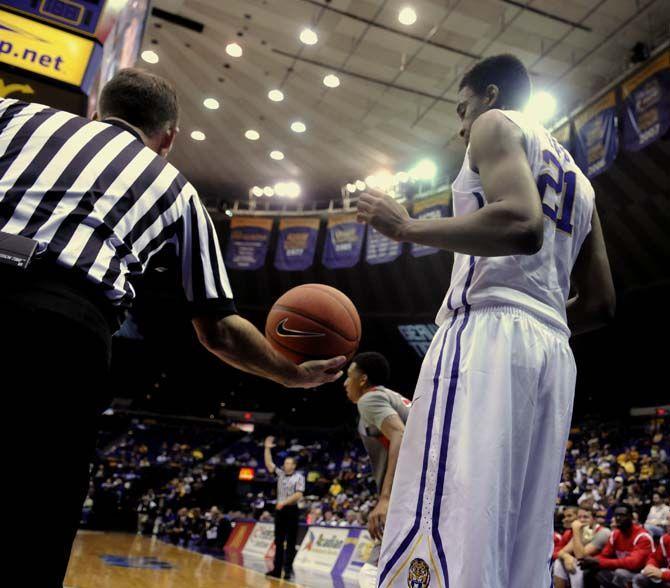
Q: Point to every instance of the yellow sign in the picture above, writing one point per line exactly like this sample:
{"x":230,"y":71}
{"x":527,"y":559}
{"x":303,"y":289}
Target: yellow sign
{"x":44,"y":50}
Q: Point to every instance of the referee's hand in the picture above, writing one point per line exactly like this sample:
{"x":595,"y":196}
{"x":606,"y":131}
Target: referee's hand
{"x":314,"y":373}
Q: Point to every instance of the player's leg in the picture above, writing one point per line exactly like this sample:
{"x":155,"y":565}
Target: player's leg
{"x":640,"y":581}
{"x":560,"y":575}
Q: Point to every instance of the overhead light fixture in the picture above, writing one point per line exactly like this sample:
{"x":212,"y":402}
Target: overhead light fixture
{"x":276,"y":95}
{"x":234,"y":50}
{"x":360,"y":185}
{"x":298,"y":127}
{"x":407,"y":16}
{"x":280,"y":189}
{"x":351,"y":188}
{"x":541,"y":106}
{"x":198,"y":136}
{"x":150,"y":56}
{"x":309,"y":37}
{"x":257,"y":191}
{"x":383,"y":179}
{"x":252,"y":135}
{"x":293,"y":189}
{"x":211,"y":103}
{"x":424,"y":170}
{"x":331,"y":81}
{"x":268,"y":191}
{"x":276,"y":155}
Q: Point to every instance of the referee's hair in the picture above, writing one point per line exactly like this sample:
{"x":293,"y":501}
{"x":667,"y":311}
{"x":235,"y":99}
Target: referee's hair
{"x":505,"y":71}
{"x":375,"y":366}
{"x":142,"y":99}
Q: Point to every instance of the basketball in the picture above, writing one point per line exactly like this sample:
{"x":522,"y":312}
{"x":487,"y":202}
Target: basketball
{"x":313,"y":321}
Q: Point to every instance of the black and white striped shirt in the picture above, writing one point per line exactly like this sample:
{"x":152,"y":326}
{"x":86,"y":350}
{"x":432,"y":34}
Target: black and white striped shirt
{"x":287,"y":486}
{"x":99,"y":201}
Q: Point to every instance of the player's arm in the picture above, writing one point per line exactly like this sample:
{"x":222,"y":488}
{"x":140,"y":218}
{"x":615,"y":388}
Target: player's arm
{"x":510,"y":224}
{"x":267,"y":454}
{"x":595,"y":300}
{"x":392,"y":428}
{"x":632,"y":562}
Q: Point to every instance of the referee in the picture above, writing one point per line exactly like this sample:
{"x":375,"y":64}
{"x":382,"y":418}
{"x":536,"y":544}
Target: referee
{"x":290,"y":488}
{"x":86,"y":204}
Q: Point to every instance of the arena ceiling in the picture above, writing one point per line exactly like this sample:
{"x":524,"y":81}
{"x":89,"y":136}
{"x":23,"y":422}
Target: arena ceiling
{"x":395,"y":102}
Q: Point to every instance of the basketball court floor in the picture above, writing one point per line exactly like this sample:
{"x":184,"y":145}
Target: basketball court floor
{"x":119,"y":560}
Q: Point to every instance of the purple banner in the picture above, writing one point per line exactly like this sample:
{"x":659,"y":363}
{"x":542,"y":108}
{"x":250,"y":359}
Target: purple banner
{"x":380,"y":249}
{"x":595,"y":140}
{"x":297,"y":243}
{"x":646,"y":104}
{"x":436,"y":206}
{"x":344,"y":241}
{"x":248,"y":244}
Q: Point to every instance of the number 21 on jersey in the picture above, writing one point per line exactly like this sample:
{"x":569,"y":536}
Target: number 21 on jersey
{"x":563,"y":185}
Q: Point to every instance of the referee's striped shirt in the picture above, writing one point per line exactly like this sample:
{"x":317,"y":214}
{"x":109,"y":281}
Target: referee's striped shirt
{"x":287,"y":485}
{"x":97,"y":200}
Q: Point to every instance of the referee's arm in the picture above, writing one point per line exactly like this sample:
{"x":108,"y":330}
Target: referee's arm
{"x":227,"y":335}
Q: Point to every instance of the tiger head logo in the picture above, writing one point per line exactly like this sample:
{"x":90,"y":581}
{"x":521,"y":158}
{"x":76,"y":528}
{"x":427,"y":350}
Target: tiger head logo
{"x":418,"y":575}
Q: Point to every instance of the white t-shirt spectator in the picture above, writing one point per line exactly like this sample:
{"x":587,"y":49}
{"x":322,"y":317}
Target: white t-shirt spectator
{"x":659,"y":515}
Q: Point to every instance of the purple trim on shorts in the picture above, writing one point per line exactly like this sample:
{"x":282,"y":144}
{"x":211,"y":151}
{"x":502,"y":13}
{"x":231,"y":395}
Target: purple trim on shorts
{"x":480,"y":199}
{"x":431,"y":414}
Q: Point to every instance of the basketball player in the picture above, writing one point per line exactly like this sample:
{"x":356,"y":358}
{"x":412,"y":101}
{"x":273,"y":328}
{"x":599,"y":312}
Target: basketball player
{"x":482,"y":454}
{"x":383,"y":414}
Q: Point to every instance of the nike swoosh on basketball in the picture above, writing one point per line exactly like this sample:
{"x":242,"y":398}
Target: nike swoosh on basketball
{"x":284,"y":331}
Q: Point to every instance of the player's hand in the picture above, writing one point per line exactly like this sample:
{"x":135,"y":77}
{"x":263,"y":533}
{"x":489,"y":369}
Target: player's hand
{"x":589,"y":563}
{"x":269,"y":442}
{"x":384,"y":213}
{"x":570,"y":564}
{"x":280,"y":505}
{"x":377,"y":519}
{"x":576,"y":526}
{"x":652,"y":572}
{"x":314,"y":373}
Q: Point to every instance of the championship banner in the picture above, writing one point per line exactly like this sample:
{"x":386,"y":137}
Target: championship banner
{"x":595,"y":141}
{"x":321,"y":548}
{"x":432,"y":207}
{"x":355,"y":553}
{"x":380,"y":249}
{"x":47,"y":51}
{"x":238,"y":538}
{"x":563,"y":136}
{"x":646,"y":104}
{"x":248,"y":243}
{"x":344,"y":241}
{"x":260,"y":541}
{"x":297,"y":243}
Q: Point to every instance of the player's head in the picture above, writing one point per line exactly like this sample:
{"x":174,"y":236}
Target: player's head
{"x":145,"y":101}
{"x":290,"y":465}
{"x":569,"y":516}
{"x":623,"y":514}
{"x":500,"y":81}
{"x":366,"y":371}
{"x":585,"y":516}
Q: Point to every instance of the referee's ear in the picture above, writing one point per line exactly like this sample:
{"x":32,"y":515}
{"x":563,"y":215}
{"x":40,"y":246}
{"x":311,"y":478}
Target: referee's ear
{"x":167,"y":141}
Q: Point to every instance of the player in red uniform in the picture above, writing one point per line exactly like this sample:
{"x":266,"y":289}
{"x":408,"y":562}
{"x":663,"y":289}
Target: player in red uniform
{"x":656,"y":574}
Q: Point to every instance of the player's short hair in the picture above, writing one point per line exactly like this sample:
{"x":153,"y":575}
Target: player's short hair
{"x":572,"y":509}
{"x":505,"y":71}
{"x":375,"y":366}
{"x":142,"y":99}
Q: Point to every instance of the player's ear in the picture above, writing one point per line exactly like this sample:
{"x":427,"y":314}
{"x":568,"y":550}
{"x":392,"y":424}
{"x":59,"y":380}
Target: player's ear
{"x":492,"y":96}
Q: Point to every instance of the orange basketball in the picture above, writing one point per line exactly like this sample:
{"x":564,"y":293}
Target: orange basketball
{"x":314,"y":321}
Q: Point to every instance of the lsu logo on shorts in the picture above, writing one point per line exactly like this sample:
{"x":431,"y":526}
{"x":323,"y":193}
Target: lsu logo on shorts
{"x":418,"y":575}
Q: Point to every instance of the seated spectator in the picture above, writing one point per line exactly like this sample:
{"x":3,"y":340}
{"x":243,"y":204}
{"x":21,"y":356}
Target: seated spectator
{"x":626,"y":552}
{"x":656,"y":573}
{"x":659,"y":516}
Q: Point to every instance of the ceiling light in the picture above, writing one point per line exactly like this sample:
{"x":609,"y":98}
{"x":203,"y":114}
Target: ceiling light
{"x":252,"y":135}
{"x":351,"y":188}
{"x":401,"y":177}
{"x":331,"y":80}
{"x":360,"y":185}
{"x":150,"y":56}
{"x":257,"y":191}
{"x":268,"y":191}
{"x":292,"y":189}
{"x":211,"y":103}
{"x":298,"y":127}
{"x":424,"y":170}
{"x":276,"y":95}
{"x":407,"y":16}
{"x":234,"y":50}
{"x":280,"y":189}
{"x":541,"y":106}
{"x":371,"y":181}
{"x":384,"y":179}
{"x":277,"y":155}
{"x":198,"y":136}
{"x":309,"y":37}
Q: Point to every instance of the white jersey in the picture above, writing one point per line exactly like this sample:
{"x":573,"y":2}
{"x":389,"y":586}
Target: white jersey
{"x":539,"y":283}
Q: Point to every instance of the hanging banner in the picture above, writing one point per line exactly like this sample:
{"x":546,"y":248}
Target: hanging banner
{"x":563,"y":136}
{"x":248,"y":244}
{"x":436,"y":206}
{"x":595,"y":141}
{"x":297,"y":243}
{"x":344,"y":241}
{"x":646,"y":104}
{"x":380,"y":249}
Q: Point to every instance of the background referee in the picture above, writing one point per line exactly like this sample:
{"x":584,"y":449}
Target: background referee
{"x":95,"y":199}
{"x":290,"y":488}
